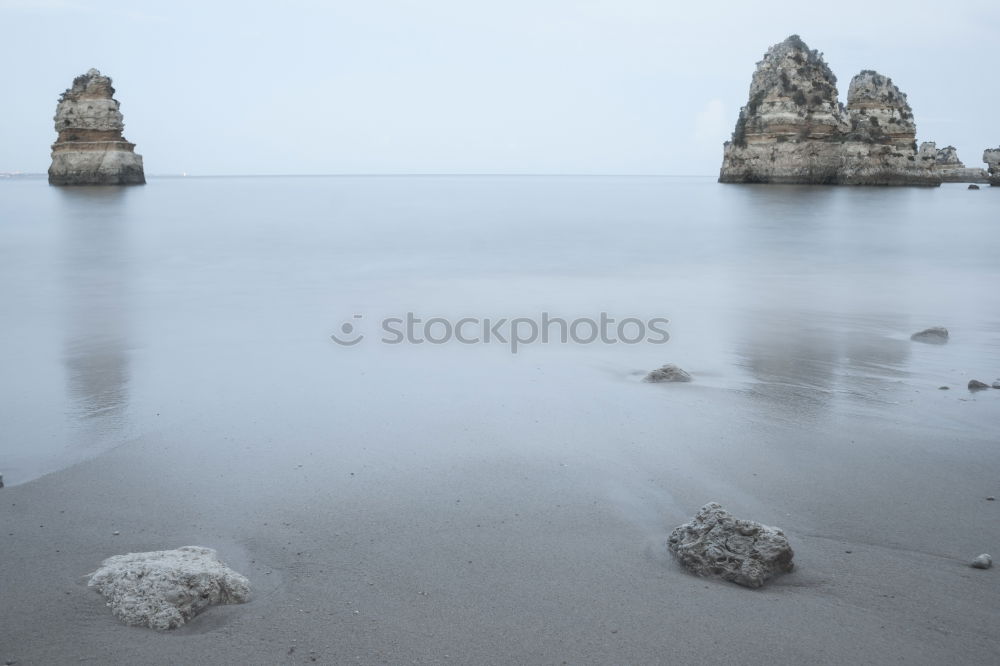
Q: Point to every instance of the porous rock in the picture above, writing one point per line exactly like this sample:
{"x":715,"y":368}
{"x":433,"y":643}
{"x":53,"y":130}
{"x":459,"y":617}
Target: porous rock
{"x":714,"y":543}
{"x":936,"y":335}
{"x":164,"y":589}
{"x":668,"y":373}
{"x":90,"y":148}
{"x":947,"y":157}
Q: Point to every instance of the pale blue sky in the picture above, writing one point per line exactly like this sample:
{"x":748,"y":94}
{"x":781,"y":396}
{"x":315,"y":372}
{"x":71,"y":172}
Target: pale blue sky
{"x":458,"y":86}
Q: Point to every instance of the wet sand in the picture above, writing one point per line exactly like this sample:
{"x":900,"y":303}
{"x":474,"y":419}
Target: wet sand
{"x":469,"y":544}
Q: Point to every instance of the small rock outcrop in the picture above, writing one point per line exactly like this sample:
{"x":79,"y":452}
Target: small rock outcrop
{"x":947,"y":157}
{"x":164,"y":589}
{"x":936,"y":335}
{"x":992,"y":158}
{"x":668,"y":373}
{"x":795,"y":130}
{"x":983,"y":561}
{"x":945,"y":164}
{"x":90,"y":148}
{"x":714,"y":543}
{"x":976,"y":385}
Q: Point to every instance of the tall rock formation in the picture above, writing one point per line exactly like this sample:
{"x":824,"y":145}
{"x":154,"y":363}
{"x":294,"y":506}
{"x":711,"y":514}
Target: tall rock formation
{"x":795,"y":130}
{"x":90,"y":148}
{"x":992,"y":158}
{"x":781,"y":134}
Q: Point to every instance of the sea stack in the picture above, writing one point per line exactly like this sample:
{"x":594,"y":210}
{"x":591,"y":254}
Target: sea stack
{"x":992,"y":158}
{"x":90,"y":148}
{"x":795,"y":130}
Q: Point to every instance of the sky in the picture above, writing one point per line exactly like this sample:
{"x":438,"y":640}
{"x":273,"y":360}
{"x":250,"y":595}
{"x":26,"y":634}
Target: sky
{"x":464,"y":86}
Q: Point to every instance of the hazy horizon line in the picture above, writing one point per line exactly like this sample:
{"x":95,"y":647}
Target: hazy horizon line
{"x":33,"y":174}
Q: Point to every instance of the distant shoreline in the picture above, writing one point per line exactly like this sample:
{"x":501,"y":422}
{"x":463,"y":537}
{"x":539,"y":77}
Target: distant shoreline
{"x":173,"y":176}
{"x":400,"y":175}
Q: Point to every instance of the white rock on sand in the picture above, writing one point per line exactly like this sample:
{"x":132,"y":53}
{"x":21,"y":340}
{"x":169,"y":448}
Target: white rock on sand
{"x":164,"y":589}
{"x":714,"y":543}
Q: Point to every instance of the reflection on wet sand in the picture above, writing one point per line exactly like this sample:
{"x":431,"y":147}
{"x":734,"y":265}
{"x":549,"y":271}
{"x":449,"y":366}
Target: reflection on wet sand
{"x":96,"y":294}
{"x":804,"y":361}
{"x":807,"y":333}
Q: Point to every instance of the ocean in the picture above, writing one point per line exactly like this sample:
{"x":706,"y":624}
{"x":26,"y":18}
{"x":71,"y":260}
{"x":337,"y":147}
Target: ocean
{"x":199,"y":312}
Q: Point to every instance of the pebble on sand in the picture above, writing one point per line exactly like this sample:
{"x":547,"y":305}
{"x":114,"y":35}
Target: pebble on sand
{"x":984,"y":561}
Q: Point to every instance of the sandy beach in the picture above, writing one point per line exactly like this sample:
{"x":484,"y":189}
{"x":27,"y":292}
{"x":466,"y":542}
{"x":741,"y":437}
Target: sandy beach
{"x":450,"y":539}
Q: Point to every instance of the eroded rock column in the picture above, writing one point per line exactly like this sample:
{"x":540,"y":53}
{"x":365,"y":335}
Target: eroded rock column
{"x":90,"y":148}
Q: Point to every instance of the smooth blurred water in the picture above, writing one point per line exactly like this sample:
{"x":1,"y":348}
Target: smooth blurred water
{"x":199,"y":310}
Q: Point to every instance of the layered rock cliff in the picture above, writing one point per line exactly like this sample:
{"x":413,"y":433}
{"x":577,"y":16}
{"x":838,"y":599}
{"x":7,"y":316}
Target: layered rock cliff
{"x":945,"y":163}
{"x":795,"y":130}
{"x":992,"y":158}
{"x":90,"y":148}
